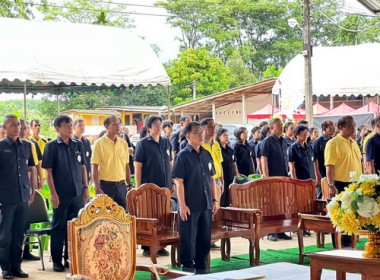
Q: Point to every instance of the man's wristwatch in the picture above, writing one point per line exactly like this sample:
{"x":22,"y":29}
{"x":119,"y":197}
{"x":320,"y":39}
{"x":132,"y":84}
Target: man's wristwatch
{"x":85,"y":187}
{"x":331,"y":185}
{"x":214,"y":200}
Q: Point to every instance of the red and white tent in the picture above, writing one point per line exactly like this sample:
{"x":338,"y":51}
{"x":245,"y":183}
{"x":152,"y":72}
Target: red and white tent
{"x":317,"y":110}
{"x":371,"y":107}
{"x":342,"y":109}
{"x":265,"y":112}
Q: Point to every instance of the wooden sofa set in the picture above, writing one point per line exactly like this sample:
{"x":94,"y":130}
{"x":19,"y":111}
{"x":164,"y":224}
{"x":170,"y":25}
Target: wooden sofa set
{"x":258,"y":208}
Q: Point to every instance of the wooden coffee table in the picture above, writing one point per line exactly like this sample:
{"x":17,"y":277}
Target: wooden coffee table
{"x":344,"y":261}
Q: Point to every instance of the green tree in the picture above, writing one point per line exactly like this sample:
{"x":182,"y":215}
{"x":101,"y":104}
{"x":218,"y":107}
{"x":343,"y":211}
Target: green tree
{"x":199,"y":65}
{"x":16,"y":9}
{"x":239,"y":72}
{"x":83,"y":11}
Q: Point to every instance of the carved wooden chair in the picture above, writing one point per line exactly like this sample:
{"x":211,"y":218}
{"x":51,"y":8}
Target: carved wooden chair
{"x":156,"y":224}
{"x":102,"y":243}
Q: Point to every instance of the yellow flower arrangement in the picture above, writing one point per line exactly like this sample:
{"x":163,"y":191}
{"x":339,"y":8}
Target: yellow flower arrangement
{"x":358,"y":207}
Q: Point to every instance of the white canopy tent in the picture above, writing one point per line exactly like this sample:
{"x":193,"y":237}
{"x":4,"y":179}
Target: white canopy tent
{"x":347,"y":70}
{"x":46,"y":56}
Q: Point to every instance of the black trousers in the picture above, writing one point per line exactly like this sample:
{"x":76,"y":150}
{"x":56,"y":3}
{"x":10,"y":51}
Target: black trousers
{"x":346,"y":239}
{"x":68,"y":209}
{"x":12,"y":228}
{"x":195,"y":240}
{"x":116,"y":190}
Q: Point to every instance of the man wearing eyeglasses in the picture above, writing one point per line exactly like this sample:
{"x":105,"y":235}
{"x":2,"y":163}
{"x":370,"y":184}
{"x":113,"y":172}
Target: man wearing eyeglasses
{"x":193,"y":173}
{"x":153,"y":162}
{"x":110,"y":163}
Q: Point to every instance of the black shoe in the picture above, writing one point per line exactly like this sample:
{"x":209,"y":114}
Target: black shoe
{"x":67,"y":264}
{"x":272,"y":237}
{"x":214,"y":246}
{"x":7,"y":274}
{"x":29,"y":257}
{"x":163,"y":253}
{"x":58,"y":267}
{"x":19,"y":273}
{"x":146,"y":253}
{"x":306,"y":233}
{"x":283,"y":236}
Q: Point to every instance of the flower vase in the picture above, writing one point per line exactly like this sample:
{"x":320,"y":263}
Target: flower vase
{"x":372,"y":247}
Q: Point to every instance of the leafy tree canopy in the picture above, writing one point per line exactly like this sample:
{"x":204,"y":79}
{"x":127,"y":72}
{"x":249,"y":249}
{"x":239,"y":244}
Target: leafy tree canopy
{"x":201,"y":66}
{"x":83,"y":11}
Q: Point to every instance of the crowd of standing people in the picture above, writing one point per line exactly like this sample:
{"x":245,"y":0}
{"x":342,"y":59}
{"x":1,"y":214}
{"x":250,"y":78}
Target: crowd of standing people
{"x":193,"y":162}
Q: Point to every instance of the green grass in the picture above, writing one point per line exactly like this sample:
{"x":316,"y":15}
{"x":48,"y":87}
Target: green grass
{"x":266,"y":257}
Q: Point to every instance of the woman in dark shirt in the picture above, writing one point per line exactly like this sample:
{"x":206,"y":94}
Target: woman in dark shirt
{"x":243,"y":152}
{"x":228,"y":164}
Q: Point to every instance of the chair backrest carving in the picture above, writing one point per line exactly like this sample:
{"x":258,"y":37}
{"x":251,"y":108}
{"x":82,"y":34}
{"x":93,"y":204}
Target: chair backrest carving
{"x":275,"y":196}
{"x":102,"y":241}
{"x":150,"y":201}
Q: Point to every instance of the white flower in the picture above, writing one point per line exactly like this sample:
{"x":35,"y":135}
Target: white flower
{"x":368,"y":208}
{"x":354,"y":175}
{"x":331,"y":204}
{"x":346,"y":199}
{"x":370,"y":177}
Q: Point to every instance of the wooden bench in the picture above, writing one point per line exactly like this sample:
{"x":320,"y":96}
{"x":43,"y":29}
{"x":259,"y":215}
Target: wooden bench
{"x":279,"y":200}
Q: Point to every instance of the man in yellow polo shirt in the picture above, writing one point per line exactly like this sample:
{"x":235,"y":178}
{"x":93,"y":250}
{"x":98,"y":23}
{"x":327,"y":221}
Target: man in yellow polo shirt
{"x":342,"y":155}
{"x":110,"y":163}
{"x":214,"y":149}
{"x":36,"y":138}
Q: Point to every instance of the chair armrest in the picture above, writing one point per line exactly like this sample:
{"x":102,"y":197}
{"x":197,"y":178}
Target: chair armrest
{"x":250,"y":217}
{"x":146,"y":226}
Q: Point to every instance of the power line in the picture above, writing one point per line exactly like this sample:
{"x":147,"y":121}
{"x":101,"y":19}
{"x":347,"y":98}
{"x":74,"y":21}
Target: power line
{"x":96,"y":10}
{"x":341,"y":27}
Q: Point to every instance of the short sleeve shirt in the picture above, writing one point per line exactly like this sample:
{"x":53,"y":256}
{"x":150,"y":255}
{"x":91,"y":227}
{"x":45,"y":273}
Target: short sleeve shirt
{"x":243,"y":155}
{"x":344,"y":154}
{"x":155,"y":158}
{"x":216,"y":153}
{"x":87,"y":152}
{"x":303,"y":158}
{"x":289,"y":141}
{"x":196,"y":170}
{"x":228,"y":159}
{"x":112,"y":158}
{"x":319,"y":146}
{"x":373,"y":151}
{"x":66,"y":163}
{"x":15,"y":158}
{"x":276,"y":151}
{"x":175,"y":141}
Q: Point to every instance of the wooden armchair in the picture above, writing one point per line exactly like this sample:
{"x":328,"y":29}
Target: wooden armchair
{"x":102,"y":243}
{"x":156,"y":224}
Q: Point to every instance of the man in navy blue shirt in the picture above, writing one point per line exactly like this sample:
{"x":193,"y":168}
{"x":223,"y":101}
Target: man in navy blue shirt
{"x":372,"y":150}
{"x":274,"y":160}
{"x":175,"y":140}
{"x":274,"y":152}
{"x":16,"y":193}
{"x":301,"y":156}
{"x":193,"y":173}
{"x":289,"y":133}
{"x":64,"y":161}
{"x":153,"y":162}
{"x":79,"y":128}
{"x":319,"y":146}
